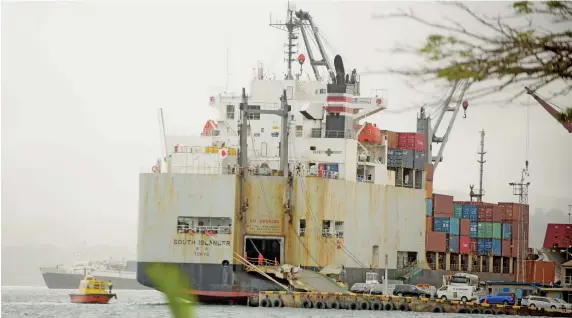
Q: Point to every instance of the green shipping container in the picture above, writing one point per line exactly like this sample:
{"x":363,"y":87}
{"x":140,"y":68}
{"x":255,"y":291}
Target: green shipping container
{"x":485,"y":230}
{"x":457,"y":211}
{"x":497,"y":231}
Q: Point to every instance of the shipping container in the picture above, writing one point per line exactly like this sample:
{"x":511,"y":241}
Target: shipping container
{"x":391,"y":138}
{"x":471,"y":212}
{"x":474,"y":246}
{"x":429,"y":224}
{"x":485,"y":230}
{"x":408,"y":159}
{"x":497,"y":231}
{"x":540,"y":272}
{"x":485,"y":212}
{"x":484,"y":246}
{"x":512,"y":211}
{"x":428,"y":207}
{"x":394,"y":158}
{"x":406,"y":141}
{"x":502,"y":212}
{"x":465,"y":228}
{"x":556,"y":235}
{"x":419,"y":161}
{"x":441,"y":224}
{"x":506,"y":231}
{"x":458,"y":211}
{"x":435,"y":242}
{"x":429,"y":190}
{"x":526,"y":213}
{"x":454,"y":226}
{"x":429,"y":169}
{"x":452,"y":244}
{"x":442,"y":205}
{"x":497,"y":247}
{"x":473,"y":230}
{"x":464,"y":245}
{"x":496,"y":214}
{"x":419,"y":142}
{"x":506,"y":248}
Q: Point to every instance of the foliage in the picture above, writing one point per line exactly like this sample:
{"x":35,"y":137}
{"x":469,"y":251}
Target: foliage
{"x":516,"y":54}
{"x":170,"y":280}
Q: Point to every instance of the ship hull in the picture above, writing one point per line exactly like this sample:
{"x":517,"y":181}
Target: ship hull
{"x":214,"y":283}
{"x":71,"y":281}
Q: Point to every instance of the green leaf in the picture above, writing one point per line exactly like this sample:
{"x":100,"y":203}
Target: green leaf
{"x":522,"y":7}
{"x":170,"y":280}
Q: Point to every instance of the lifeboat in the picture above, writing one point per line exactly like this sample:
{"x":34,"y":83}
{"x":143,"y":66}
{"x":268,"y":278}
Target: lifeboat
{"x":92,"y":291}
{"x":370,"y":134}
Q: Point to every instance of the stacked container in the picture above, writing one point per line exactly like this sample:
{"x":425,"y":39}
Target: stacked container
{"x":443,"y":234}
{"x":510,"y":215}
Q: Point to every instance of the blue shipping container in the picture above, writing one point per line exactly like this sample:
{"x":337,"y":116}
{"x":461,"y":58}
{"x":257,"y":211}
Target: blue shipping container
{"x":465,"y":214}
{"x":454,"y":226}
{"x":473,"y":230}
{"x":453,"y":243}
{"x":506,"y":231}
{"x":332,"y":167}
{"x":441,"y":225}
{"x":473,"y":213}
{"x":429,"y":207}
{"x":484,"y":246}
{"x":497,"y":246}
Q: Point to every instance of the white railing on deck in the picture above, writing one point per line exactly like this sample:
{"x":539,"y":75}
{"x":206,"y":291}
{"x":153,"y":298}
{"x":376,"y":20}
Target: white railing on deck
{"x":342,"y":134}
{"x":182,"y":228}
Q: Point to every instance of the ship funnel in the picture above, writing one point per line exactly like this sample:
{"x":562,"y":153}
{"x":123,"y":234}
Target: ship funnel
{"x":340,"y":72}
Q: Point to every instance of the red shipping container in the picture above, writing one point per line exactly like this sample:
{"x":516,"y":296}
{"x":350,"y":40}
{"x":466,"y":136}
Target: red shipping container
{"x":406,"y":141}
{"x":473,"y":246}
{"x":465,"y":227}
{"x":540,"y":272}
{"x":557,"y":234}
{"x":506,"y":249}
{"x":464,"y":245}
{"x":442,"y":205}
{"x":485,"y":212}
{"x":420,"y":142}
{"x":496,"y":213}
{"x":435,"y":242}
{"x":526,"y":213}
{"x":502,"y":212}
{"x":391,"y":138}
{"x":508,"y":210}
{"x":429,"y":224}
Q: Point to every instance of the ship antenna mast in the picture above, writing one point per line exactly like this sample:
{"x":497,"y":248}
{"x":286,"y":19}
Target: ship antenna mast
{"x":520,"y":189}
{"x":289,"y":25}
{"x":481,"y":161}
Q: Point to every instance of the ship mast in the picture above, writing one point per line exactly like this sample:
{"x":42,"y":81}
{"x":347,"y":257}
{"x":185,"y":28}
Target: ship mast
{"x":290,"y":26}
{"x":481,"y":161}
{"x":521,"y":190}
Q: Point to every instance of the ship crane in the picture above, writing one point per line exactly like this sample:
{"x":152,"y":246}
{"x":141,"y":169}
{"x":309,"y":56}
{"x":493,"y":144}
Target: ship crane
{"x":553,"y":112}
{"x":424,"y":122}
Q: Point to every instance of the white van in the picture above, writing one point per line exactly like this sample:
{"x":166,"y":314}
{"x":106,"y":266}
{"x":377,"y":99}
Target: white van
{"x":462,"y":293}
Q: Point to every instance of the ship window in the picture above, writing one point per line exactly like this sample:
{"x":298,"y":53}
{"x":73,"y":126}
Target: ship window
{"x":229,"y":111}
{"x":203,"y":225}
{"x":323,"y":91}
{"x":299,"y":131}
{"x":301,"y":227}
{"x":327,"y":228}
{"x":275,"y":134}
{"x":256,"y":134}
{"x":254,"y":116}
{"x":339,"y":229}
{"x":289,"y":92}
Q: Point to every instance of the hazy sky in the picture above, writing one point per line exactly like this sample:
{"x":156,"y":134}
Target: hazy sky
{"x":82,"y":82}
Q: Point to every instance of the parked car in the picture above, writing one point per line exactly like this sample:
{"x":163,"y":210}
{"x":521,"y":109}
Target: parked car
{"x":564,"y":304}
{"x":411,"y":291}
{"x":541,"y":302}
{"x":499,"y":299}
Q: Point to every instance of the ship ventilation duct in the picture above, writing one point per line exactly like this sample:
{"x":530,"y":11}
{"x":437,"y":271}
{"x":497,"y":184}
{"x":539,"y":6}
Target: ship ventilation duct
{"x":312,"y":111}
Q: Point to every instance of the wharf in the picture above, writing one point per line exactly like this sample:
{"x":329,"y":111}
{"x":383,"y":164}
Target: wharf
{"x":351,"y":301}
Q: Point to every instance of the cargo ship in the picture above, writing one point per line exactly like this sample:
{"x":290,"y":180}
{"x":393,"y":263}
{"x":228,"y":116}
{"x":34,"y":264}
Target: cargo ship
{"x":302,"y":182}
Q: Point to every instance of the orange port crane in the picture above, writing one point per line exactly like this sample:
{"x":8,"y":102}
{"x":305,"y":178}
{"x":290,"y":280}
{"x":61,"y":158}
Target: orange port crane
{"x":550,"y":109}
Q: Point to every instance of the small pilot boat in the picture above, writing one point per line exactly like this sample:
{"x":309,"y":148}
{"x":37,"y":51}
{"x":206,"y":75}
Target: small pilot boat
{"x":92,"y":291}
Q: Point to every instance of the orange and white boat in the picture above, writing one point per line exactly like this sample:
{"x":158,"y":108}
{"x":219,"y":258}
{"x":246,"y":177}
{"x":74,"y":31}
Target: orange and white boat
{"x":92,"y":291}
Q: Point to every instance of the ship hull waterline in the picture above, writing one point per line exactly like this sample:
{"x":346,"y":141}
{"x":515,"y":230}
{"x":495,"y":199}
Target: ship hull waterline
{"x":216,"y":283}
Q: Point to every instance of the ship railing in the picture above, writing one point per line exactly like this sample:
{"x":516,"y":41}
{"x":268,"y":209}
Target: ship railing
{"x":265,"y":262}
{"x":204,"y":229}
{"x":342,"y":134}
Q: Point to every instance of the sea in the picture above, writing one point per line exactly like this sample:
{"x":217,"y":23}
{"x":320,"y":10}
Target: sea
{"x":44,"y":302}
